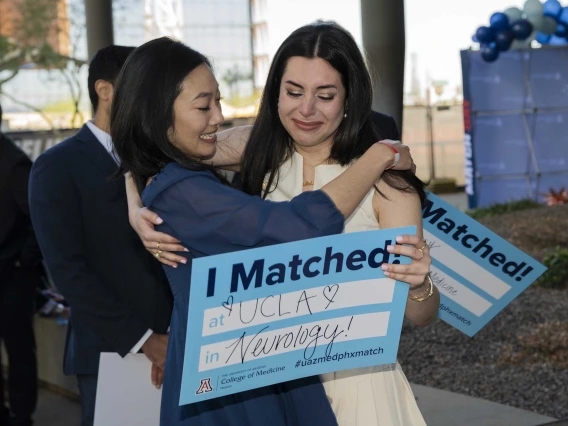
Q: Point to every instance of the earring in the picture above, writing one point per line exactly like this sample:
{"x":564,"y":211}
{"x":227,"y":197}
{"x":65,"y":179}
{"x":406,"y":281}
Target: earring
{"x":345,"y":115}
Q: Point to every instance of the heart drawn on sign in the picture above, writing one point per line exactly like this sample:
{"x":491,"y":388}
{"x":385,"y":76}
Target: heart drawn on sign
{"x":329,"y":289}
{"x":228,"y":304}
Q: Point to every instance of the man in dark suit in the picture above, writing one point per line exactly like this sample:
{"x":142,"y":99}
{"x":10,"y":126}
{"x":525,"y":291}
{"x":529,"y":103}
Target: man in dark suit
{"x":119,"y":296}
{"x":20,"y":275}
{"x":386,"y":126}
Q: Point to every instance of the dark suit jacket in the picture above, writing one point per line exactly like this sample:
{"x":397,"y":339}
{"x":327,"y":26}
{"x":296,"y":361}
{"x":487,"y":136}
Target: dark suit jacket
{"x":17,"y":240}
{"x":115,"y":289}
{"x":385,"y":126}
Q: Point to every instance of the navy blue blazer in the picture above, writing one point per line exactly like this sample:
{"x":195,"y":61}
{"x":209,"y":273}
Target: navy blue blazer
{"x":17,"y":240}
{"x":116,"y":290}
{"x":385,"y":126}
{"x":210,"y":218}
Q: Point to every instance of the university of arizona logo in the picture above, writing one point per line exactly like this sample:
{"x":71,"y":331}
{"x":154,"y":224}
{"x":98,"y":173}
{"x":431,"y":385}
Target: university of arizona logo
{"x":204,"y":386}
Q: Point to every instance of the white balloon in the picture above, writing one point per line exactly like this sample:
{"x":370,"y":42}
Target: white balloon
{"x":548,"y":25}
{"x":537,"y":21}
{"x":513,"y":13}
{"x":533,"y":7}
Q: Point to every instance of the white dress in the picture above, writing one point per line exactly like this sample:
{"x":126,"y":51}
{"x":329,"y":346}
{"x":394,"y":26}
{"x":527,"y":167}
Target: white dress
{"x":372,"y":396}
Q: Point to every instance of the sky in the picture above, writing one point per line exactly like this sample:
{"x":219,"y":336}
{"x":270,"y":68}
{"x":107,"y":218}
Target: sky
{"x":436,"y":30}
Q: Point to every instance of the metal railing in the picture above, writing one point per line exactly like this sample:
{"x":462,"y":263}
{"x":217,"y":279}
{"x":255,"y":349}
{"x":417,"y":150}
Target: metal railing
{"x":435,"y":136}
{"x":34,"y":143}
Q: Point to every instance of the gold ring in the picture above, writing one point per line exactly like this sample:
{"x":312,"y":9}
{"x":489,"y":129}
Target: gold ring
{"x":158,"y":254}
{"x":158,"y":246}
{"x":423,"y":247}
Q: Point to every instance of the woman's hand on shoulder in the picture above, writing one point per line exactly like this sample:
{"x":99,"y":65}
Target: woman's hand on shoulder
{"x":161,"y":246}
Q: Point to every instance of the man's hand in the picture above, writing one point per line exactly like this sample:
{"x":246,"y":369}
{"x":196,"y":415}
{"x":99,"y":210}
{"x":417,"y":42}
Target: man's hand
{"x":155,"y":349}
{"x":157,"y":376}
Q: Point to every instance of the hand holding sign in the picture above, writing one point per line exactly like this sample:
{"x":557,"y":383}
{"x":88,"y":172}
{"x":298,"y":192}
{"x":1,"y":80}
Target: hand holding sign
{"x":417,"y":250}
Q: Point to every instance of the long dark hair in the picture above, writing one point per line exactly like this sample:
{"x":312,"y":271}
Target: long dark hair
{"x":270,"y":146}
{"x":142,"y":108}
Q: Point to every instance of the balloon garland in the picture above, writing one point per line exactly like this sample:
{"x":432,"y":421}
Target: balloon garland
{"x":547,"y":23}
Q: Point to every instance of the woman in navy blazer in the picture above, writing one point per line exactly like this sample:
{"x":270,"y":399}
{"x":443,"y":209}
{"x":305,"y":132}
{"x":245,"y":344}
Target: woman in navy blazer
{"x":165,"y":114}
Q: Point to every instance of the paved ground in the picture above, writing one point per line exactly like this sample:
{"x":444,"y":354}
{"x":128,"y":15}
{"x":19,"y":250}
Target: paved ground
{"x":56,"y":410}
{"x":458,"y":200}
{"x":443,"y":408}
{"x":440,"y":408}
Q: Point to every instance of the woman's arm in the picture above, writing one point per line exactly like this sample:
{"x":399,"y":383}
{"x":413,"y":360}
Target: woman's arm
{"x":211,"y":218}
{"x":143,"y":221}
{"x":396,"y":209}
{"x":230,"y":146}
{"x":346,"y":192}
{"x":348,"y":189}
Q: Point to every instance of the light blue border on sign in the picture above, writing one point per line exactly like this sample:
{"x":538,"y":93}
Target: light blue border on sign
{"x":450,"y":311}
{"x":344,"y":243}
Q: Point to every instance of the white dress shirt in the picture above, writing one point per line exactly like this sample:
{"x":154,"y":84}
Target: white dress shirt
{"x":106,"y":141}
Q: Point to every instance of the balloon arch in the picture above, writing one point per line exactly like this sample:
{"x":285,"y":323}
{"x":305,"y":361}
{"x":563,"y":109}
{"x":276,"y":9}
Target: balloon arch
{"x":547,"y":23}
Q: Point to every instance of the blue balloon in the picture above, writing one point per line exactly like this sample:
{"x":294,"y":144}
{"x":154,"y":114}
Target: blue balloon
{"x":557,"y":41}
{"x":474,"y":39}
{"x":489,"y":52}
{"x":563,"y":17}
{"x":552,"y":8}
{"x":561,"y":30}
{"x":521,"y":29}
{"x":542,"y":38}
{"x":503,"y":40}
{"x":499,"y":21}
{"x":485,"y":34}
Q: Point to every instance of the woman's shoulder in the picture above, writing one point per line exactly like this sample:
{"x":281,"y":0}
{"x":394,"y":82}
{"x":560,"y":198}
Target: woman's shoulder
{"x":172,"y":175}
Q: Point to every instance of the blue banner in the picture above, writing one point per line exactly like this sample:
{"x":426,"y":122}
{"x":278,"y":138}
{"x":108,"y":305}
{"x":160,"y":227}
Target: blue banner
{"x":274,"y":314}
{"x":469,"y":160}
{"x":516,"y":124}
{"x":477,"y":272}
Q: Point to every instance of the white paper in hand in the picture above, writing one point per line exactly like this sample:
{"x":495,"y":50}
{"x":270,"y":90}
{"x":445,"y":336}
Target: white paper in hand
{"x":125,"y":394}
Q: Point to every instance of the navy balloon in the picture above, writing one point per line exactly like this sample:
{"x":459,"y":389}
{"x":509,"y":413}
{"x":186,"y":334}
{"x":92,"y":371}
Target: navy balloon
{"x":504,"y":39}
{"x":485,"y":34}
{"x":489,"y":52}
{"x":499,"y":21}
{"x":563,"y":17}
{"x":561,"y":30}
{"x":552,"y":8}
{"x":521,"y":29}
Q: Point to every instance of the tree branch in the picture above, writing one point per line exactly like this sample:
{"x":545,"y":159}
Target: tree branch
{"x":6,"y":80}
{"x":35,"y":109}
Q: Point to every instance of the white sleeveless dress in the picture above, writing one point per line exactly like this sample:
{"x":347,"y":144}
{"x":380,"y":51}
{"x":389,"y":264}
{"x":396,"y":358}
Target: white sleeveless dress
{"x":372,"y":396}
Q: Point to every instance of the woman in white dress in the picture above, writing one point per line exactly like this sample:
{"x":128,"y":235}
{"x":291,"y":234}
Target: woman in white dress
{"x":314,"y":120}
{"x":320,"y":89}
